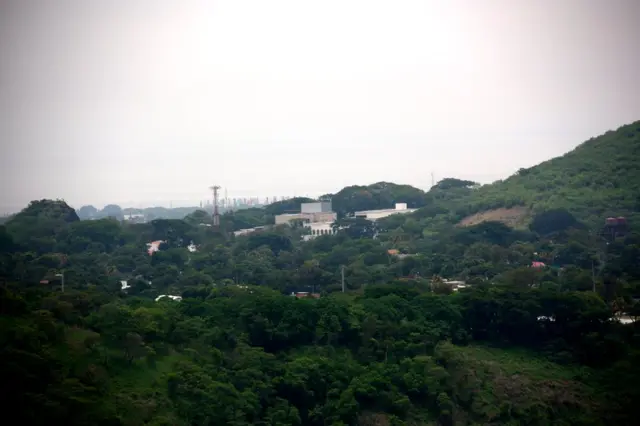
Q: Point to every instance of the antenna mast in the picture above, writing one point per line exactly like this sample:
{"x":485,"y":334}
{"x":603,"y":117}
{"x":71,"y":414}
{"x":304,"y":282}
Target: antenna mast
{"x":216,"y":214}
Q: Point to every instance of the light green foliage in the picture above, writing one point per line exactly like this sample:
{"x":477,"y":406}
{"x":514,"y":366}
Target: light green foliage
{"x":597,"y":179}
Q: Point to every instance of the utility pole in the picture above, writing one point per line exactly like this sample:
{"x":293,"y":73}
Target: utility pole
{"x":342,"y":273}
{"x":61,"y":275}
{"x":433,"y":181}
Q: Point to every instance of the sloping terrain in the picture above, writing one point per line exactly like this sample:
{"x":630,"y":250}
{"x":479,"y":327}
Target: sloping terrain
{"x":514,"y":217}
{"x":597,"y":179}
{"x":496,"y":386}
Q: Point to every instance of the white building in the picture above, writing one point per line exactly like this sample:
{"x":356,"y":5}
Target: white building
{"x":135,"y":217}
{"x":318,"y":228}
{"x":176,"y":298}
{"x":309,"y":213}
{"x":286,"y":218}
{"x":319,"y":207}
{"x":247,"y":231}
{"x":401,"y":208}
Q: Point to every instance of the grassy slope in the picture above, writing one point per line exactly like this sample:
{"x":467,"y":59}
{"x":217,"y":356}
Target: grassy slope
{"x":597,"y":179}
{"x":498,"y":386}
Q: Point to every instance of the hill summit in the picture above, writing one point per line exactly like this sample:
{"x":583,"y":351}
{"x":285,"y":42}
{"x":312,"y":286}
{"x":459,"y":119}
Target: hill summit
{"x":380,"y":195}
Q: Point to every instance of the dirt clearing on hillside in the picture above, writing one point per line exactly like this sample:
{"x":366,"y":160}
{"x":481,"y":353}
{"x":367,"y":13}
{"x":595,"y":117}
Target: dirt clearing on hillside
{"x":513,"y":217}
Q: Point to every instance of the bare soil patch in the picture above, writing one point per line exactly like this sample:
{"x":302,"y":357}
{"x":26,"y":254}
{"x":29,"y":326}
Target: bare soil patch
{"x":514,"y":217}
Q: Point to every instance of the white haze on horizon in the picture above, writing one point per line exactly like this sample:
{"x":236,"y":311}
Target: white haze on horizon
{"x":146,"y":101}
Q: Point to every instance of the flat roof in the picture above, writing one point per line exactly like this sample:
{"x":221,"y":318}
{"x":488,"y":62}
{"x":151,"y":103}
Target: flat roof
{"x":384,"y":211}
{"x":303,"y":214}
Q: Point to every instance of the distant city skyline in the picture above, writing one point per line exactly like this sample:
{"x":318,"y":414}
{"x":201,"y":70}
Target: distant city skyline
{"x":173,"y":203}
{"x":207,"y":198}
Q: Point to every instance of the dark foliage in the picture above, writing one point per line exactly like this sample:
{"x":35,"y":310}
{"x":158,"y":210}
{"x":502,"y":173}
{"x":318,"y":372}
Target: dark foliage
{"x":520,"y":343}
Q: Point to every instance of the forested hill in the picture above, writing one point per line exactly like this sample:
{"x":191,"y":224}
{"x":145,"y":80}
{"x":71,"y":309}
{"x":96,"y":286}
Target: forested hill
{"x":388,"y":335}
{"x":597,"y":179}
{"x":381,"y":195}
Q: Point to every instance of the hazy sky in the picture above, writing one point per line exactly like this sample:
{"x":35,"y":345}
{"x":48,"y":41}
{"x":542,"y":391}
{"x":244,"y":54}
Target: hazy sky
{"x":137,"y":102}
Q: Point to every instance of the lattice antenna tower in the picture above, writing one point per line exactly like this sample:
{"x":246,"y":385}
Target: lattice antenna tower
{"x":216,"y":214}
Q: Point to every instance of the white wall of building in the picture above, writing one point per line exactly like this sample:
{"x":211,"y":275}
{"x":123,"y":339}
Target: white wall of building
{"x":317,"y":207}
{"x":317,"y":229}
{"x":247,"y":231}
{"x":401,"y":208}
{"x":310,"y":217}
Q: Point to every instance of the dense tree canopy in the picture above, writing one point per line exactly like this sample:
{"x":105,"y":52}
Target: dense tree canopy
{"x":532,"y":337}
{"x":381,"y":195}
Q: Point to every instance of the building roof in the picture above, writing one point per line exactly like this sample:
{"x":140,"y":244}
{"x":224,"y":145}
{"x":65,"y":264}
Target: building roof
{"x":304,"y":294}
{"x":176,"y":298}
{"x":154,"y":246}
{"x":366,"y":212}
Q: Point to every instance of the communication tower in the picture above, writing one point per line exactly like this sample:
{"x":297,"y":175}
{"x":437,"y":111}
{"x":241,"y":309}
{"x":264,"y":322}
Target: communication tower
{"x":216,"y":214}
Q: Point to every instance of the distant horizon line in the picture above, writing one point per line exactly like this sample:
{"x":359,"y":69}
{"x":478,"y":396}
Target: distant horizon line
{"x":182,"y":203}
{"x":167,"y":204}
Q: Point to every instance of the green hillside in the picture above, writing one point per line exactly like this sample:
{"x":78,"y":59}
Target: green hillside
{"x":599,"y":178}
{"x":36,"y":226}
{"x":532,"y":338}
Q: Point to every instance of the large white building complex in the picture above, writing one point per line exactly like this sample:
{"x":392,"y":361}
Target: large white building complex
{"x":319,"y":212}
{"x":317,"y":217}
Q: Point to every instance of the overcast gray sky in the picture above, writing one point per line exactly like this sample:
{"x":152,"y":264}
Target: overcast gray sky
{"x":138,"y":102}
